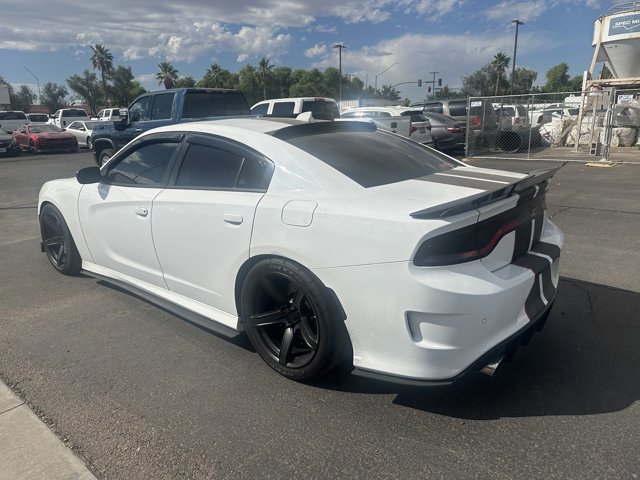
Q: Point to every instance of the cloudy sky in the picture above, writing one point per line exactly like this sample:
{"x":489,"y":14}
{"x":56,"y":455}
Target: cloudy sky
{"x":454,"y":37}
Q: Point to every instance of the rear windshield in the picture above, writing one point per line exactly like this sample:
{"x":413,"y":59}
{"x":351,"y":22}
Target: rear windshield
{"x":78,"y":112}
{"x":214,"y":104}
{"x":34,"y":117}
{"x":415,"y":116}
{"x":371,"y":158}
{"x":12,"y":116}
{"x":320,"y":106}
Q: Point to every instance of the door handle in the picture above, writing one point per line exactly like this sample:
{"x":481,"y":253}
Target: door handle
{"x":138,"y":130}
{"x":142,"y":212}
{"x":232,"y":218}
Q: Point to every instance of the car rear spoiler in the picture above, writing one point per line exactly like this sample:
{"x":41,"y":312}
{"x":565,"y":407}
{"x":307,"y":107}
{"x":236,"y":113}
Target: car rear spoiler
{"x":473,"y":202}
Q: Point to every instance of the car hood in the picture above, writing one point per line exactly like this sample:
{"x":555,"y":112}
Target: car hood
{"x":52,"y":135}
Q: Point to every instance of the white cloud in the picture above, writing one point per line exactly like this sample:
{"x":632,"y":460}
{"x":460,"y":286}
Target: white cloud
{"x":432,"y":9}
{"x":508,"y":10}
{"x":317,"y":50}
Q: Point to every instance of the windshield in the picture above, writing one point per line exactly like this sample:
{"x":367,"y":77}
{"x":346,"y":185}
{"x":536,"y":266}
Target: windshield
{"x":43,"y":129}
{"x":90,"y":125}
{"x":12,"y":116}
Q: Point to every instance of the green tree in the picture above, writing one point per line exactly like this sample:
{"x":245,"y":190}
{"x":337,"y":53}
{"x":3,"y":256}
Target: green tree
{"x":575,"y":84}
{"x":264,"y":74}
{"x":102,"y":60}
{"x":167,"y":75}
{"x":87,"y":88}
{"x":281,"y":81}
{"x":125,"y":88}
{"x":500,"y":63}
{"x":522,"y":80}
{"x":249,"y":84}
{"x":23,"y":98}
{"x":53,"y":96}
{"x":352,"y":88}
{"x":557,"y":78}
{"x":389,"y":93}
{"x":185,"y":82}
{"x":213,"y":76}
{"x":479,"y":83}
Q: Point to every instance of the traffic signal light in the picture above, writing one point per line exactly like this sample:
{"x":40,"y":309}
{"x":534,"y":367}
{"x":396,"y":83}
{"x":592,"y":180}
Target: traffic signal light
{"x":439,"y":82}
{"x":419,"y":83}
{"x":429,"y":89}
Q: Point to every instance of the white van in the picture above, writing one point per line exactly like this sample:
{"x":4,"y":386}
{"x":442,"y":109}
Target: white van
{"x":322,"y":108}
{"x":66,"y":116}
{"x":11,"y":119}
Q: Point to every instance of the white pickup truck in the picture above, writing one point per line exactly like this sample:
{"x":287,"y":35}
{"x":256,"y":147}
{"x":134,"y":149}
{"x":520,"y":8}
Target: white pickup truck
{"x":404,"y":121}
{"x":66,"y":116}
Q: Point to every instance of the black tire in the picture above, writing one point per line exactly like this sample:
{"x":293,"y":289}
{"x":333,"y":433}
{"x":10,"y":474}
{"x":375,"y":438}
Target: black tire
{"x":105,"y":155}
{"x":291,"y":320}
{"x":57,"y":241}
{"x":509,"y":142}
{"x":32,"y":147}
{"x":89,"y":143}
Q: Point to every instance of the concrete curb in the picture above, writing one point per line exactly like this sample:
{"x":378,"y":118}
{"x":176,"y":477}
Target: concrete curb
{"x":29,"y":450}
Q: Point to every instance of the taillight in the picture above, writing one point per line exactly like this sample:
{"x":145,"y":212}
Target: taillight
{"x":477,"y":241}
{"x":475,"y":120}
{"x":413,"y":129}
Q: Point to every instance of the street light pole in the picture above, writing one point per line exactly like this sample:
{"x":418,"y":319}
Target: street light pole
{"x":340,"y":46}
{"x":515,"y":50}
{"x":375,"y":88}
{"x":37,"y":81}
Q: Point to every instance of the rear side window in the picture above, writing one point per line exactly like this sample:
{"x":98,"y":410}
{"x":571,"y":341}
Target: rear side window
{"x":207,"y":166}
{"x":162,"y":106}
{"x":371,"y":158}
{"x":433,"y":107}
{"x":415,"y":116}
{"x":458,"y":108}
{"x":199,"y":104}
{"x":321,"y":106}
{"x":283,"y":108}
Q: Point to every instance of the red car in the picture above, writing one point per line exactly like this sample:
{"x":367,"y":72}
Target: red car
{"x":45,"y":138}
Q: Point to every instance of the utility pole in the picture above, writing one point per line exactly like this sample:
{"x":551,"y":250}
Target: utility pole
{"x":433,"y":92}
{"x":340,"y":46}
{"x":38,"y":82}
{"x":375,"y":88}
{"x":515,"y":50}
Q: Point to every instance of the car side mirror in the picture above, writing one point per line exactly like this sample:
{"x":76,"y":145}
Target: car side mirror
{"x":88,"y":175}
{"x":123,"y":120}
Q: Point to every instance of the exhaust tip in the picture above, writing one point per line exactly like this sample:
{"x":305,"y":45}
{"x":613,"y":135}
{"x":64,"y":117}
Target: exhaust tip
{"x":491,"y":369}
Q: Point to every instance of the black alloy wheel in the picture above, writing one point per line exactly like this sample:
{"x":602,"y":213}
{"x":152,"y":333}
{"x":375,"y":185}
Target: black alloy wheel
{"x":57,"y":241}
{"x":291,"y":320}
{"x":89,"y":143}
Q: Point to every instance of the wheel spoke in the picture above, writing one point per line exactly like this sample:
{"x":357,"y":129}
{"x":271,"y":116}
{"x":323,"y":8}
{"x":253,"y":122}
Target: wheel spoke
{"x":308,"y":334}
{"x":285,"y":346}
{"x":49,"y":242}
{"x":296,"y":301}
{"x":270,"y":318}
{"x":60,"y":252}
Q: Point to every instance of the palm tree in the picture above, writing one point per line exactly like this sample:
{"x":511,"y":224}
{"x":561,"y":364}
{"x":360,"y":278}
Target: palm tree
{"x":499,"y":64}
{"x":213,"y":74}
{"x":167,"y":75}
{"x":264,"y":74}
{"x":102,"y":60}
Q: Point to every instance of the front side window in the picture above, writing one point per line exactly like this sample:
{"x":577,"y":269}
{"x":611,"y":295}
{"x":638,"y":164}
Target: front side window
{"x":146,"y":165}
{"x":139,"y":111}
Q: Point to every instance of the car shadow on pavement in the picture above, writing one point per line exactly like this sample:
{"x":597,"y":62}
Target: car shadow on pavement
{"x":584,"y":362}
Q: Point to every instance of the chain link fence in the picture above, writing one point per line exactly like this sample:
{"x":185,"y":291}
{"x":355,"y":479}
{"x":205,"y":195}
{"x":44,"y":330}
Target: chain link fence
{"x":594,"y":125}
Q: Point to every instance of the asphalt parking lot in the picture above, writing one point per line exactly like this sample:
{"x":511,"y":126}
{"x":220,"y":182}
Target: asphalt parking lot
{"x":138,"y":393}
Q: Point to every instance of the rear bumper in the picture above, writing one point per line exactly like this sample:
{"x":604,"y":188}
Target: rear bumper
{"x":431,"y":325}
{"x":505,"y":349}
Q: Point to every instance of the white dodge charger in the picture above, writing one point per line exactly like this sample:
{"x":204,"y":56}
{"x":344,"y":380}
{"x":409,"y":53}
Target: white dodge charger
{"x":324,"y":242}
